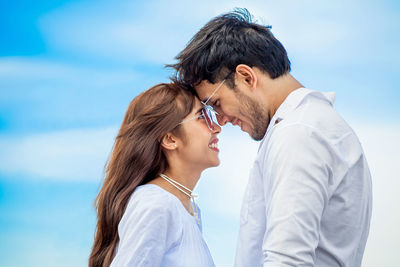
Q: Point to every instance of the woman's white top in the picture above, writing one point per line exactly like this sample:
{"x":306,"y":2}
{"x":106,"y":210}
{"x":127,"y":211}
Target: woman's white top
{"x":156,"y":230}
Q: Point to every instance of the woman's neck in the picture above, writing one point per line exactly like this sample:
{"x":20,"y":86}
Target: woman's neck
{"x":187,"y":178}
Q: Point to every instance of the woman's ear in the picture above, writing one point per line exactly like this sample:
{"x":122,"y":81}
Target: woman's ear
{"x":246,"y":76}
{"x":169,"y":142}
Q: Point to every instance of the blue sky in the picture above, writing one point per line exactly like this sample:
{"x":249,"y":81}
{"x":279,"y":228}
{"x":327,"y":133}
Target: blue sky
{"x":68,"y":70}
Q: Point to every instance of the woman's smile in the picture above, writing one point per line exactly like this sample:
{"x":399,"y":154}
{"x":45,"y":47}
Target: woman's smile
{"x":214,"y":145}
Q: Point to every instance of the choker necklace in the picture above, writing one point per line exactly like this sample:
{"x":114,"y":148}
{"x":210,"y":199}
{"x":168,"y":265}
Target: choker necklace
{"x":186,"y":191}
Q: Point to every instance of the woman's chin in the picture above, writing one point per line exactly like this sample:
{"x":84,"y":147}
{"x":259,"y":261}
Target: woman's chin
{"x":215,"y":163}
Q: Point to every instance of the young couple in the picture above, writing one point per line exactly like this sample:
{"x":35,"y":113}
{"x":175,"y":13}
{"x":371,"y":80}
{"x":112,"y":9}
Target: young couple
{"x":308,"y":199}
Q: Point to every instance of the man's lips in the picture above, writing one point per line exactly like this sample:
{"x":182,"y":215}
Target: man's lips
{"x":237,"y":122}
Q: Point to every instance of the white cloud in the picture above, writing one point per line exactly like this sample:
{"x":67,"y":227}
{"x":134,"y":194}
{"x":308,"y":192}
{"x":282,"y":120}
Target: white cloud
{"x":20,"y":69}
{"x":131,"y":31}
{"x":324,"y":31}
{"x":67,"y":155}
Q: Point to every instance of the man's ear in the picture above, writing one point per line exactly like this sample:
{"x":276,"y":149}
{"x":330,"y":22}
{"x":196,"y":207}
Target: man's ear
{"x":169,"y":142}
{"x":246,"y":76}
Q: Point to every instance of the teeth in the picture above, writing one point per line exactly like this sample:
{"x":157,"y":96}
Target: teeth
{"x":213,"y":145}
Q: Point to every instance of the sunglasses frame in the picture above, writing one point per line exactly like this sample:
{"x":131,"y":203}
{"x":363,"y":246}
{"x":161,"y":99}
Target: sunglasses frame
{"x":208,"y":113}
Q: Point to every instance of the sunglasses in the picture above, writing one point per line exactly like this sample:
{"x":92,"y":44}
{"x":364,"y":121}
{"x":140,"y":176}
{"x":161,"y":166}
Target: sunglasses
{"x":209,"y":115}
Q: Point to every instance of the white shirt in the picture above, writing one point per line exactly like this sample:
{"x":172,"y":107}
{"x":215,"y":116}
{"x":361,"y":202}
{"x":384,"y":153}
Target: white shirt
{"x":156,"y":230}
{"x":308,"y":200}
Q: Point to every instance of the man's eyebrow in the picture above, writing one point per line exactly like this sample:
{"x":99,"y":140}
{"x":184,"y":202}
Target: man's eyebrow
{"x":203,"y":101}
{"x":208,"y":100}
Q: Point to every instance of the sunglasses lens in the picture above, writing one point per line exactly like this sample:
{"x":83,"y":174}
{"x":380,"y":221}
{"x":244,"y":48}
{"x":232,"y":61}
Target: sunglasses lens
{"x":209,"y":116}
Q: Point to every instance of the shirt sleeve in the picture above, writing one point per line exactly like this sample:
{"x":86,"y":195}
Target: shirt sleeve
{"x":298,"y":165}
{"x":147,"y":231}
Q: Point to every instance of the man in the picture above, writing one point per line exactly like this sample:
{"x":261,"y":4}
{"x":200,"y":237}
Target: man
{"x":308,"y":199}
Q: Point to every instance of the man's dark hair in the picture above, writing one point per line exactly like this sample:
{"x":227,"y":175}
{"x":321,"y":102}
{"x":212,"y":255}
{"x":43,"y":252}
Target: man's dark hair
{"x":225,"y":42}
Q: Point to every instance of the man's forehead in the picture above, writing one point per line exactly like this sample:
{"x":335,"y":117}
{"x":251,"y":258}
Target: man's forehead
{"x":204,"y":89}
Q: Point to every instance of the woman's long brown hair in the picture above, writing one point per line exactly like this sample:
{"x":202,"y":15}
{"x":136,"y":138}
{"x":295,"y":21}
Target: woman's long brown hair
{"x":136,"y":159}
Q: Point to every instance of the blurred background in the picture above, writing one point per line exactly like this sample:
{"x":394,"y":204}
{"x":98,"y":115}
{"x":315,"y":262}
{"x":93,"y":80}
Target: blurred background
{"x":69,"y":68}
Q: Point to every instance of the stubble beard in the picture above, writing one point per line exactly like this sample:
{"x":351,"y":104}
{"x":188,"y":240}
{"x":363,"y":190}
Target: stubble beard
{"x":256,"y":115}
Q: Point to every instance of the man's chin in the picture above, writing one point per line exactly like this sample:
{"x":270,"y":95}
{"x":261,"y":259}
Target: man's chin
{"x":255,"y":131}
{"x":255,"y":138}
{"x":256,"y":135}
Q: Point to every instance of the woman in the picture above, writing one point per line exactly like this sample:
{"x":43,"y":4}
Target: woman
{"x":146,"y":211}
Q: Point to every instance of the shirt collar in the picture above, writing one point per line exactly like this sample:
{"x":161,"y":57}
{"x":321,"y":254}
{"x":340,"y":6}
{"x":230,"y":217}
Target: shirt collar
{"x":294,"y":99}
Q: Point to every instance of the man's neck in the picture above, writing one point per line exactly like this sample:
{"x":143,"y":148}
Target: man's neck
{"x":278,"y":90}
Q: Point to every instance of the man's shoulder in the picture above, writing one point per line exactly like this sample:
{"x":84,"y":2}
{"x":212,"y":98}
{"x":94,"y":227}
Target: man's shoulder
{"x":316,"y":115}
{"x":330,"y":136}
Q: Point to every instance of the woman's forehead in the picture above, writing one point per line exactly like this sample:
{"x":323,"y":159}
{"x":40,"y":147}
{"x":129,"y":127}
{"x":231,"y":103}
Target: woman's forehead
{"x":197,"y":105}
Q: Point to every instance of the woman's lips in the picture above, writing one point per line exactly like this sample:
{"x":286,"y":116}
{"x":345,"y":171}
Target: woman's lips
{"x":214,"y":144}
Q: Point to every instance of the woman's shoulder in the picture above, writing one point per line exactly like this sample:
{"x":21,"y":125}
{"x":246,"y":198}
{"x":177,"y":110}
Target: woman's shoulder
{"x":154,"y":192}
{"x":150,"y":207}
{"x":152,"y":198}
{"x":149,"y":227}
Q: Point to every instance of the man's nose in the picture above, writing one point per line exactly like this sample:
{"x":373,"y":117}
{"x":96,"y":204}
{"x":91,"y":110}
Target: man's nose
{"x":216,"y":128}
{"x":222,"y":119}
